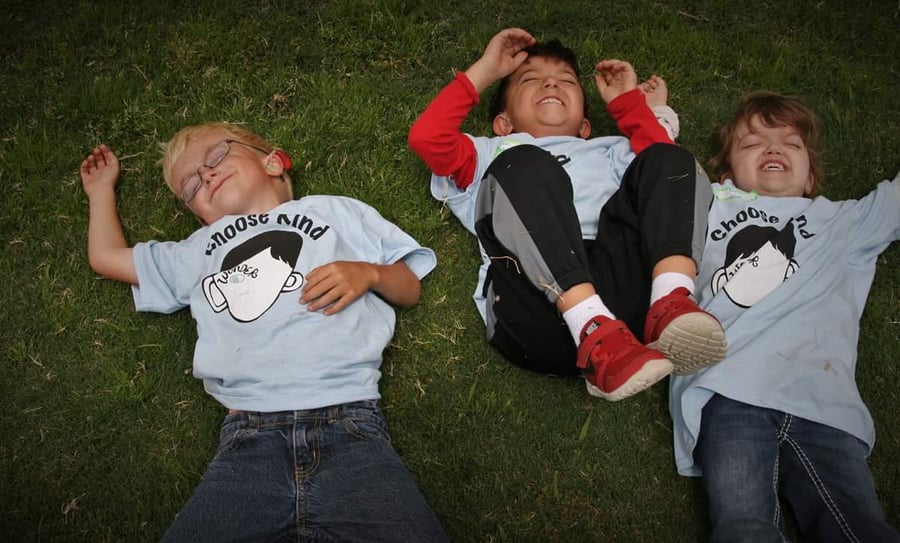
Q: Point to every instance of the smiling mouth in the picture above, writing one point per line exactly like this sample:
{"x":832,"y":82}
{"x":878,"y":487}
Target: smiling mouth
{"x":550,"y":100}
{"x":773,"y":167}
{"x":216,"y":186}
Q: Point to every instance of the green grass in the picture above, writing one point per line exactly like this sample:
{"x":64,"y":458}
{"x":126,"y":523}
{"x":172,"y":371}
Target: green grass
{"x":106,"y":433}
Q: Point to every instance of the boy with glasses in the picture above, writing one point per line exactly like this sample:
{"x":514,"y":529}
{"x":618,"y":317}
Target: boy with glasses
{"x":304,"y":450}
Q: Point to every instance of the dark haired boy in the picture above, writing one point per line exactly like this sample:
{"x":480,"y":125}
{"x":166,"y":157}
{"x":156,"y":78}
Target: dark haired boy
{"x":578,"y":236}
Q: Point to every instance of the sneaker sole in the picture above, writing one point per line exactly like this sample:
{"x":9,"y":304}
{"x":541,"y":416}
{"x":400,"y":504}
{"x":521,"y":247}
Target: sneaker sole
{"x":692,"y":342}
{"x":650,"y":373}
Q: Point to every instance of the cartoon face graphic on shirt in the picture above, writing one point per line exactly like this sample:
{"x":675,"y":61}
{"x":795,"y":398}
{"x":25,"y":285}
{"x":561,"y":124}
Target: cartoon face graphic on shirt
{"x":254,"y":274}
{"x":757,"y":260}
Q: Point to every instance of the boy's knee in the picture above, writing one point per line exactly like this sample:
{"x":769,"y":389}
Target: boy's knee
{"x":667,"y":152}
{"x":530,"y":169}
{"x":522,"y":159}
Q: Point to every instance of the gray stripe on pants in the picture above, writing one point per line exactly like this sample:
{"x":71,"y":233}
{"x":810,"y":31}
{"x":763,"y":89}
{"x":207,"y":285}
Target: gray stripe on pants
{"x":511,"y":232}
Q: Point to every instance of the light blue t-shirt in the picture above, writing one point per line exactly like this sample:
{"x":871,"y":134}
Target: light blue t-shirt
{"x":595,"y":167}
{"x":788,"y":278}
{"x":258,"y":347}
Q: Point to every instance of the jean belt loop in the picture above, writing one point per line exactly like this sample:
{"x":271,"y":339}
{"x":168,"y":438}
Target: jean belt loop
{"x":252,"y":418}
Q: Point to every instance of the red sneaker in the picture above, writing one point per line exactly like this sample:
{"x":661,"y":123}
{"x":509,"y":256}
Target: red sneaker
{"x":615,"y":365}
{"x":691,"y":338}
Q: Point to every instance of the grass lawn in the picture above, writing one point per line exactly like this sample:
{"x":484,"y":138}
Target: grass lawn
{"x":105,"y":430}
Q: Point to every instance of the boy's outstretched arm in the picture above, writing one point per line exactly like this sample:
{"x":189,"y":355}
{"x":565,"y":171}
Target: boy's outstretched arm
{"x":436,"y":135}
{"x":335,"y":286}
{"x":617,"y":82}
{"x":108,"y":252}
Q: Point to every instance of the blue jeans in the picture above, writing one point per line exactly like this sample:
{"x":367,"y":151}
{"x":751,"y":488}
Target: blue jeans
{"x":326,"y":474}
{"x":754,"y":457}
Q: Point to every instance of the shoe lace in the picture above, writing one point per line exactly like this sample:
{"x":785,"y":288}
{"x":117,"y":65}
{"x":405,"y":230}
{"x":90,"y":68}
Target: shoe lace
{"x":616,"y":341}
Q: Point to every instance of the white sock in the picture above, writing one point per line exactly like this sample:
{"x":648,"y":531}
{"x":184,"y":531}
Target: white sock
{"x":579,"y":314}
{"x":665,"y":283}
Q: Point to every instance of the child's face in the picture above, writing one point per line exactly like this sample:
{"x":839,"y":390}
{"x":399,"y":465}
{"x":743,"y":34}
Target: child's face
{"x":544,"y":98}
{"x":773,"y":161}
{"x":240,"y":184}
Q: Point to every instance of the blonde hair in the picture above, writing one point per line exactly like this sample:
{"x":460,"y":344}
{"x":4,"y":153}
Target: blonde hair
{"x":173,"y":148}
{"x":774,"y":110}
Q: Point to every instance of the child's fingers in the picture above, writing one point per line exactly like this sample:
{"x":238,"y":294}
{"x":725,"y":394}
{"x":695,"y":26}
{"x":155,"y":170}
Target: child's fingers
{"x":607,"y":65}
{"x":338,"y":305}
{"x":90,"y":163}
{"x":613,"y":67}
{"x":518,"y":36}
{"x":314,"y":288}
{"x":105,"y":153}
{"x":322,"y":288}
{"x":508,"y":42}
{"x":606,"y":71}
{"x":108,"y":156}
{"x":325,"y":300}
{"x":95,"y":159}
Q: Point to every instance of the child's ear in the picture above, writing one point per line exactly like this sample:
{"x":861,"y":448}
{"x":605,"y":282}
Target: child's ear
{"x":502,"y":125}
{"x":275,"y":165}
{"x":810,"y":183}
{"x":585,"y":129}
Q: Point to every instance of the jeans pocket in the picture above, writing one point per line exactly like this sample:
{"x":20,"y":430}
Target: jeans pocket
{"x":232,"y":435}
{"x":368,"y":428}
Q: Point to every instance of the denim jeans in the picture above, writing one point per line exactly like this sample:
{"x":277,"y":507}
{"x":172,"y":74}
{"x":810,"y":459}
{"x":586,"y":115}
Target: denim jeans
{"x":326,"y":474}
{"x":753,"y":458}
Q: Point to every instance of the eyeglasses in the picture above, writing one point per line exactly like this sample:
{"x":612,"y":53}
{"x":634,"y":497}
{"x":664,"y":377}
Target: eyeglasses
{"x":216,"y":155}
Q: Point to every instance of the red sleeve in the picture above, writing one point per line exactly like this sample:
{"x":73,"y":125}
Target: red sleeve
{"x":436,"y":135}
{"x":637,"y":121}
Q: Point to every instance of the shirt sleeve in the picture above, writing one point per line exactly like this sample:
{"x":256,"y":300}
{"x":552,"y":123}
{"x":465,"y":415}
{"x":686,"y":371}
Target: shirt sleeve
{"x":164,"y":271}
{"x":436,"y":135}
{"x":637,"y":121}
{"x":667,"y":117}
{"x":385,"y":243}
{"x":878,"y":223}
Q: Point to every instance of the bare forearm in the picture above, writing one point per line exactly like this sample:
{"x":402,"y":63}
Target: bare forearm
{"x":108,"y":251}
{"x":482,"y":75}
{"x":397,"y":284}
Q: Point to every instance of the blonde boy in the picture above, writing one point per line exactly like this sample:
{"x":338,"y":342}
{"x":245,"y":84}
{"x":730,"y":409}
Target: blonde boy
{"x":291,"y":299}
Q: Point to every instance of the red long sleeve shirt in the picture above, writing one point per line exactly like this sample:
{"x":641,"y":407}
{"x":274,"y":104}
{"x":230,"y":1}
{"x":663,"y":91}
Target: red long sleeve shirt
{"x":437,"y":139}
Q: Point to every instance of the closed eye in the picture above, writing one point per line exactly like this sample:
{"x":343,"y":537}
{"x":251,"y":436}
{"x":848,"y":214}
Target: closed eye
{"x":749,"y":141}
{"x":190,"y":187}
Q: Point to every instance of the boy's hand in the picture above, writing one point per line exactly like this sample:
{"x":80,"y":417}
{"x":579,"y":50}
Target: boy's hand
{"x":614,"y":77}
{"x":99,"y":171}
{"x":503,"y":54}
{"x":655,"y":91}
{"x":335,"y":286}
